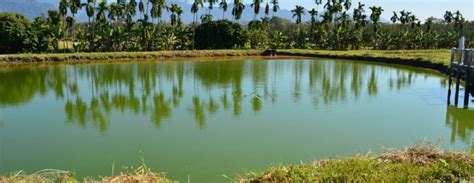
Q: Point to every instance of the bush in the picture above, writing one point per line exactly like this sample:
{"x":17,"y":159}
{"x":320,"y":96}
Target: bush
{"x":220,"y":34}
{"x":16,"y":34}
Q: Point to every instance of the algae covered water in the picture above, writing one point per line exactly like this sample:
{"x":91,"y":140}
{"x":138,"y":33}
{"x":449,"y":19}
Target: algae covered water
{"x":208,"y":121}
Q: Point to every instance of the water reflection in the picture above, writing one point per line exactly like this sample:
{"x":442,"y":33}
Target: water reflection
{"x":461,"y":123}
{"x":92,"y":92}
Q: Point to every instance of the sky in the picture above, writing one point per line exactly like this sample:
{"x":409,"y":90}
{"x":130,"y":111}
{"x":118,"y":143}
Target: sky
{"x":421,"y":8}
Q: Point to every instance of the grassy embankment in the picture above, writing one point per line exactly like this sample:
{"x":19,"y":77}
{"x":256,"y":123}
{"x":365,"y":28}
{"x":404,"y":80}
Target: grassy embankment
{"x":424,"y":163}
{"x":431,"y":59}
{"x":106,"y":56}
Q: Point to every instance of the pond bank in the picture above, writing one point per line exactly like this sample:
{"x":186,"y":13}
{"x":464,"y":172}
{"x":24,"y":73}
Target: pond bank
{"x":414,"y":164}
{"x":60,"y":57}
{"x":430,"y":59}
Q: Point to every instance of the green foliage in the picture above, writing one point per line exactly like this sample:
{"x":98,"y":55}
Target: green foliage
{"x":16,"y":34}
{"x":220,"y":34}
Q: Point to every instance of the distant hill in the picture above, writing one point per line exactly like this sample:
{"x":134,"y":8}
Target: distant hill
{"x":34,"y":8}
{"x":29,"y":8}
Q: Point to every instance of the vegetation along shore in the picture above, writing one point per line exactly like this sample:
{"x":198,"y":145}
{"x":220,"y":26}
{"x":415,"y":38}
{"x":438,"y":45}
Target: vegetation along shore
{"x":417,"y":163}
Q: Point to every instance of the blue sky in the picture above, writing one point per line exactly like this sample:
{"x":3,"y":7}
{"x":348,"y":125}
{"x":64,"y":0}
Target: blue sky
{"x":422,"y":8}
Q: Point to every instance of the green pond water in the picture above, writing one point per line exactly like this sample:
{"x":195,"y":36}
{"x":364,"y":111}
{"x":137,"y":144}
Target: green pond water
{"x":199,"y":121}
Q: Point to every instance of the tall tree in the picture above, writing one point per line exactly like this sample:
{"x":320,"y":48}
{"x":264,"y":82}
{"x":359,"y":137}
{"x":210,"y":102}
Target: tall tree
{"x":256,"y":8}
{"x":394,"y":17}
{"x":275,"y":6}
{"x":224,"y":6}
{"x":267,"y":10}
{"x":375,"y":16}
{"x":238,"y":9}
{"x":298,"y":12}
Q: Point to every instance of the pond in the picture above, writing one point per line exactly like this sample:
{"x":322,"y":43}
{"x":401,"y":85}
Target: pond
{"x":204,"y":121}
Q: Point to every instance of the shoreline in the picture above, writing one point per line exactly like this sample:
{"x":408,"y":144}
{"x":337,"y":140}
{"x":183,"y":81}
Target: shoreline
{"x":437,"y":60}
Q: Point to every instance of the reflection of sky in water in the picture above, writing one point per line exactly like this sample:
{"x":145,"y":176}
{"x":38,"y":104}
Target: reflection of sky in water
{"x":206,"y":119}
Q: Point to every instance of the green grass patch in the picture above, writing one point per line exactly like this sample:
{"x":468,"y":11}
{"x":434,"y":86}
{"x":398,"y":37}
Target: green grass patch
{"x":424,"y":163}
{"x":433,"y":56}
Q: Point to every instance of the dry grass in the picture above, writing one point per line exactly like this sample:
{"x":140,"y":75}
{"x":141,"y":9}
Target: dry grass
{"x":141,"y":174}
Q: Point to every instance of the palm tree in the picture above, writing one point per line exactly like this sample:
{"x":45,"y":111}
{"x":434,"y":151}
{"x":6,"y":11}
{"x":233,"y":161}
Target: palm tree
{"x":211,"y":5}
{"x":223,"y":5}
{"x":267,"y":10}
{"x":102,"y":9}
{"x":141,"y":8}
{"x":174,"y":17}
{"x":298,"y":12}
{"x":238,"y":9}
{"x":275,"y":6}
{"x":256,"y":8}
{"x":74,"y":6}
{"x":90,"y":11}
{"x":347,"y":4}
{"x":394,"y":18}
{"x":63,"y":6}
{"x":448,"y":17}
{"x":194,"y":11}
{"x":313,"y":14}
{"x":375,"y":16}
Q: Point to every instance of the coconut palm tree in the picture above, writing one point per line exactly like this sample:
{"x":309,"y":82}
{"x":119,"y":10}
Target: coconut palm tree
{"x":174,"y":9}
{"x":298,"y":12}
{"x":275,"y":6}
{"x":74,"y":7}
{"x":90,"y":11}
{"x":223,"y":5}
{"x":63,"y":6}
{"x":267,"y":10}
{"x":102,"y":9}
{"x":256,"y":8}
{"x":347,"y":4}
{"x":375,"y":16}
{"x":394,"y":18}
{"x":195,"y":9}
{"x":238,"y":9}
{"x":448,"y":17}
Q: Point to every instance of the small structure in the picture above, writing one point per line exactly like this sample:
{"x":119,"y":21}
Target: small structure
{"x":461,"y":67}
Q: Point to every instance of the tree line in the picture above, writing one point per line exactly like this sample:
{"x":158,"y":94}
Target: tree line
{"x":138,"y":25}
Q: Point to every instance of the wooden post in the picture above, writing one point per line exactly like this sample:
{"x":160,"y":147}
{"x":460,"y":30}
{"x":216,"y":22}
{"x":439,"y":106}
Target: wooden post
{"x":450,"y":70}
{"x":458,"y":77}
{"x":467,"y":86}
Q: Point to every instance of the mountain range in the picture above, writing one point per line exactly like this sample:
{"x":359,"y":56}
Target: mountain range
{"x":35,"y":8}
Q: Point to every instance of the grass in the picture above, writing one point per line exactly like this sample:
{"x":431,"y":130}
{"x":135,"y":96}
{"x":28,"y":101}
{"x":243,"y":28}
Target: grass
{"x":421,"y":163}
{"x":433,"y":56}
{"x":104,"y":56}
{"x":141,"y":174}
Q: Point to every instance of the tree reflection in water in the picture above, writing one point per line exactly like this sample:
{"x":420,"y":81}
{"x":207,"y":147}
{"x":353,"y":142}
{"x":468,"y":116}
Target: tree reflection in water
{"x":91,"y":92}
{"x":461,"y":122}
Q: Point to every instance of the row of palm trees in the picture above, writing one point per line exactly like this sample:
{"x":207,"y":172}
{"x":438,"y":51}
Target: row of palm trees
{"x":118,"y":26}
